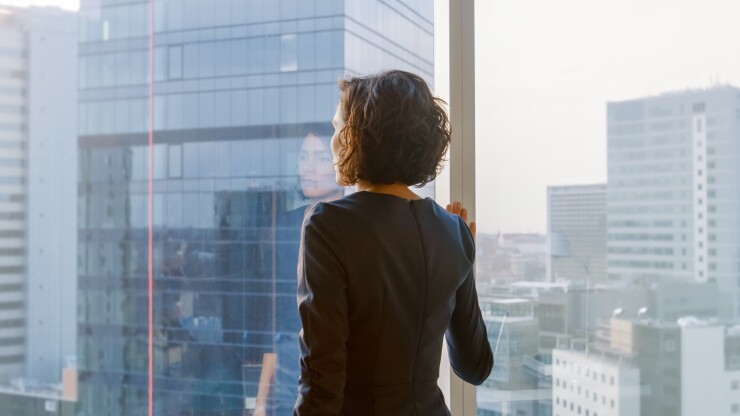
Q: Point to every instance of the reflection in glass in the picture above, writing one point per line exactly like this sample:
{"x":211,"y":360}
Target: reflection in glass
{"x":243,"y":98}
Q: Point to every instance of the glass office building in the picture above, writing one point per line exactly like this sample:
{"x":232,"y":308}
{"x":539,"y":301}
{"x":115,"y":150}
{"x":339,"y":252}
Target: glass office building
{"x":672,"y":200}
{"x":241,"y":92}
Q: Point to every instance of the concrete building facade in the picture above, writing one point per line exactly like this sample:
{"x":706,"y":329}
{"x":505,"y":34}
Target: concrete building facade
{"x":38,"y":192}
{"x":672,"y":198}
{"x":576,"y":229}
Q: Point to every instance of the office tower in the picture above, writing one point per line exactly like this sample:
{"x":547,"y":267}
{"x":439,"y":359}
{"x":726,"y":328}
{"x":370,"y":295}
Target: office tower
{"x":243,"y":93}
{"x":672,"y":203}
{"x":593,"y":385}
{"x":565,"y":316}
{"x":38,"y":187}
{"x":576,"y":229}
{"x":662,"y":368}
{"x":512,"y":333}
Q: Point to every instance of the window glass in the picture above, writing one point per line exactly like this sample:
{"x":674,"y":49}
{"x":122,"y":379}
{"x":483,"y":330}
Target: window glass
{"x":239,"y":114}
{"x":175,"y":62}
{"x":288,"y":52}
{"x":590,"y":206}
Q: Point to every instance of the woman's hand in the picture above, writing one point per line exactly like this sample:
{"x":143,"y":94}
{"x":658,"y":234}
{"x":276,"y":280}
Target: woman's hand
{"x":457,"y":209}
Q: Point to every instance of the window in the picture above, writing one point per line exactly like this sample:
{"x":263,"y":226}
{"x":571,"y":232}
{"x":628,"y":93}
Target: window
{"x":175,"y":62}
{"x":174,"y":158}
{"x":236,"y":94}
{"x":288,"y":53}
{"x":238,"y":90}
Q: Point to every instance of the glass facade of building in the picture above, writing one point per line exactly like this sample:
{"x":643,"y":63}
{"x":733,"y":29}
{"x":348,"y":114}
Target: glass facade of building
{"x":243,"y":96}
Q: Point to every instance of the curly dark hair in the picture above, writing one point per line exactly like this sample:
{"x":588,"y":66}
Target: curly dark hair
{"x":395,"y":130}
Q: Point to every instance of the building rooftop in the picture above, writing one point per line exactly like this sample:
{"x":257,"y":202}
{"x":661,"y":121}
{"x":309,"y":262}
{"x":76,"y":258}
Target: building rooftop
{"x":676,"y":93}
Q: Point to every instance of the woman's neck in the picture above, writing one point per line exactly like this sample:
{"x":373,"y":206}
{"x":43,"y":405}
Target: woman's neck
{"x":397,"y":189}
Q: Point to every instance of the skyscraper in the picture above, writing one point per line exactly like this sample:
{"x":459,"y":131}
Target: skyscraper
{"x":576,"y":226}
{"x":243,"y":97}
{"x":38,"y":185}
{"x":672,"y":202}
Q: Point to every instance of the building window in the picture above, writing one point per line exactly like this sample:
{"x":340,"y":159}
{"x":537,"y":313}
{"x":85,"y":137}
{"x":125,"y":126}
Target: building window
{"x":174,"y":62}
{"x":174,"y":168}
{"x":288,"y":53}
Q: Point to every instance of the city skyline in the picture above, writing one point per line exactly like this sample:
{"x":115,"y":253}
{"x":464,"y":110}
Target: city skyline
{"x":546,"y":71}
{"x":628,"y":261}
{"x":566,"y":80}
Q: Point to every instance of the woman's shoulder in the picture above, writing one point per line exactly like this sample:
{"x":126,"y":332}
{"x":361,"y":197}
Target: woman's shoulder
{"x":327,"y":212}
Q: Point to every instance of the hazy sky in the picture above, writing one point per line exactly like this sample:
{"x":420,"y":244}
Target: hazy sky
{"x":545,"y":69}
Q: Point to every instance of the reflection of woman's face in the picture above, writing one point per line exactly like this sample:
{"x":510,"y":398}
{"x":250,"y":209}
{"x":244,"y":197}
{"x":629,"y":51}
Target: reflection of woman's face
{"x":315,"y":168}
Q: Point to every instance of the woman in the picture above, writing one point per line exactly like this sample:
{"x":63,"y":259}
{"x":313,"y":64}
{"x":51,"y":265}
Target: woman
{"x":383,"y":274}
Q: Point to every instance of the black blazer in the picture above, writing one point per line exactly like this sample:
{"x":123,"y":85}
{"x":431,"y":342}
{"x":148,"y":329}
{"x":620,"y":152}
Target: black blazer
{"x":381,"y":279}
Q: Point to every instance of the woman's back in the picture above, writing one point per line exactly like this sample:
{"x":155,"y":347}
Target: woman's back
{"x":382,"y":278}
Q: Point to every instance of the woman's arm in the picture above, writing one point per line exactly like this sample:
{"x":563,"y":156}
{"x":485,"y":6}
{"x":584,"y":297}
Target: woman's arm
{"x":322,"y":305}
{"x":467,"y":338}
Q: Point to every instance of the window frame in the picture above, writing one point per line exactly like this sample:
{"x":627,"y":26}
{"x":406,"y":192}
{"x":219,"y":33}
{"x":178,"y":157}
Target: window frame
{"x":454,"y":78}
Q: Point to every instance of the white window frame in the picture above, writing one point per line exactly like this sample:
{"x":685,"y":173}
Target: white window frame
{"x":454,"y":68}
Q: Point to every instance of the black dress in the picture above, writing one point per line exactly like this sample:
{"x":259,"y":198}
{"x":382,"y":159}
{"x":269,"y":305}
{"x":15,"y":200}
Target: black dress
{"x":381,"y":280}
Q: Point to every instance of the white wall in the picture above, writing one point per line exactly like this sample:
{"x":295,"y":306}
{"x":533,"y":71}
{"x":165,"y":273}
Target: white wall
{"x":702,"y":367}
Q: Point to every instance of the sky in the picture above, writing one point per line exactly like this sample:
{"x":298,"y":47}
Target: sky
{"x":544,"y":72}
